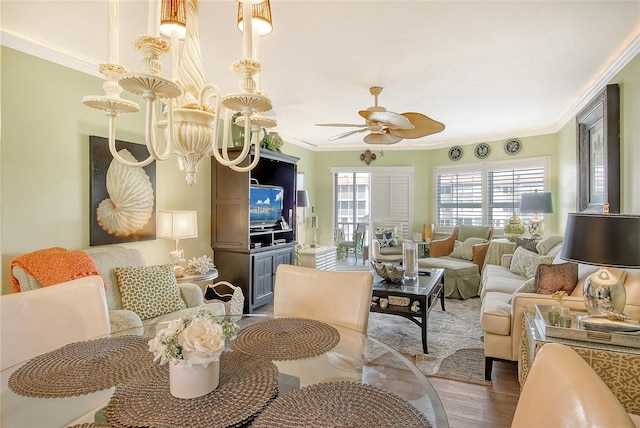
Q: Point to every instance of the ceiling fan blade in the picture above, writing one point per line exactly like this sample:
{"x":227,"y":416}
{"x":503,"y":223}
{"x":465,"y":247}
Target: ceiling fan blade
{"x":389,"y":118}
{"x":424,"y":126}
{"x":345,"y":134}
{"x":359,"y":125}
{"x":384,"y":139}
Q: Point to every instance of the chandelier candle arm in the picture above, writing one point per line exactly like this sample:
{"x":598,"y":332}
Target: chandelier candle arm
{"x":114,"y":31}
{"x":112,"y":114}
{"x":247,"y":34}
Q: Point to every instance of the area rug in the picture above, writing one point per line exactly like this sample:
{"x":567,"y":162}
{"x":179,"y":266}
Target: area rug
{"x":454,"y":339}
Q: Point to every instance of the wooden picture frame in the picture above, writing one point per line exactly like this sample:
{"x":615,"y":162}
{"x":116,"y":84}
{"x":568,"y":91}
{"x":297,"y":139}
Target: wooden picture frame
{"x":598,"y":153}
{"x":141,"y":184}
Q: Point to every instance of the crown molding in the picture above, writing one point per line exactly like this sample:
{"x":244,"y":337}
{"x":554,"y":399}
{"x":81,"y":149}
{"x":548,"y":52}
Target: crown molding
{"x":22,"y":44}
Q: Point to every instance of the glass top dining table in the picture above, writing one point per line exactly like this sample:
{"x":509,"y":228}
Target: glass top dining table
{"x":356,"y":358}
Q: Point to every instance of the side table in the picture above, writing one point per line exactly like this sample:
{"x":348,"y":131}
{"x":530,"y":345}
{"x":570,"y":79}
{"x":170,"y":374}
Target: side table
{"x":617,"y":366}
{"x":212,"y":274}
{"x":323,"y":258}
{"x":498,"y":247}
{"x":425,"y":248}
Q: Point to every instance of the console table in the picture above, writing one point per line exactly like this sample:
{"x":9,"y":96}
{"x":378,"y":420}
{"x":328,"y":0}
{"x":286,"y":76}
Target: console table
{"x":617,"y":366}
{"x":323,"y":258}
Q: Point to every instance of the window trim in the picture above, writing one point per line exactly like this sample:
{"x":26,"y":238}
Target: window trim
{"x":484,"y":168}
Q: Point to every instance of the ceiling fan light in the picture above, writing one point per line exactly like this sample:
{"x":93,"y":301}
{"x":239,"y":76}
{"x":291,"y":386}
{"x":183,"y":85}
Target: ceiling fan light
{"x":262,"y":21}
{"x":173,"y":17}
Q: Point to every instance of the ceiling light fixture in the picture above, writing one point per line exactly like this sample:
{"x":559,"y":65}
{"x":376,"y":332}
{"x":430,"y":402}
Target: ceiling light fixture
{"x":193,"y":109}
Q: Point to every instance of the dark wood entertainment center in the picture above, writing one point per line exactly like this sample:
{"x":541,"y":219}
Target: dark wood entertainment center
{"x":248,"y":258}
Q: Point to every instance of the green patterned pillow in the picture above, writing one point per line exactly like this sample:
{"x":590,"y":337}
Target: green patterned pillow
{"x":525,"y":262}
{"x":149,"y":291}
{"x":465,"y":250}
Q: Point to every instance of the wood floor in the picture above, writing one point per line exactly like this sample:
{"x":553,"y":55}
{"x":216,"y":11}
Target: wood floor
{"x":479,"y":406}
{"x":469,"y":405}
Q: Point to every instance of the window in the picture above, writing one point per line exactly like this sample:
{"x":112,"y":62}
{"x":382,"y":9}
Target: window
{"x":351,"y":201}
{"x":369,"y":195}
{"x":487,"y":193}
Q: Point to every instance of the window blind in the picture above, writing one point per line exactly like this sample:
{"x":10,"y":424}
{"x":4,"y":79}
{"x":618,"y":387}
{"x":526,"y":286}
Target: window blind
{"x":487,"y":193}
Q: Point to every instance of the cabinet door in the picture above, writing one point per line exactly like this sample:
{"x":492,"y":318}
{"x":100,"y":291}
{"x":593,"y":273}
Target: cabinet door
{"x":284,"y":256}
{"x":263,"y":277}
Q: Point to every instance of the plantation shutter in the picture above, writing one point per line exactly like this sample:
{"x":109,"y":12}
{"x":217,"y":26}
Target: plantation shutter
{"x":505,"y":188}
{"x":392,"y":198}
{"x":459,"y":196}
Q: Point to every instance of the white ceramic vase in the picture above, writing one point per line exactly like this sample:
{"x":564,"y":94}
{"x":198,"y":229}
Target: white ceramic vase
{"x":191,"y":381}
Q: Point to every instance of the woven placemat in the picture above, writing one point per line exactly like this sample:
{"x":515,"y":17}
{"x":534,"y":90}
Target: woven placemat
{"x":83,"y":367}
{"x":247,"y":385}
{"x":286,"y":339}
{"x":340,"y":404}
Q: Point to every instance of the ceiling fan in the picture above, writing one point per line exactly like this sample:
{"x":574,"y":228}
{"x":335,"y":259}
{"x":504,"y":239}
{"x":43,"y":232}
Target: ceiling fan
{"x":387,"y":127}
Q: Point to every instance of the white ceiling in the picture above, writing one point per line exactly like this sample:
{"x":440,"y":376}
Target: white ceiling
{"x":488,"y":70}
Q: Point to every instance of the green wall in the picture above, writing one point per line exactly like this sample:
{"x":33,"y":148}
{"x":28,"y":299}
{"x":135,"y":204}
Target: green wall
{"x":44,"y":164}
{"x":423,"y":162}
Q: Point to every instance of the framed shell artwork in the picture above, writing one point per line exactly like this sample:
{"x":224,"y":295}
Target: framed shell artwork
{"x":123,"y":198}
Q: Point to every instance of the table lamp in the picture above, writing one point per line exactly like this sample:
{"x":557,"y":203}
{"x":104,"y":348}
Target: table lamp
{"x":314,"y":225}
{"x":536,"y":203}
{"x":302,"y":201}
{"x":605,"y":240}
{"x":175,"y":224}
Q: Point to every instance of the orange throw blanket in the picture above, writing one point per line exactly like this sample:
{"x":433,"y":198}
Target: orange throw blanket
{"x":55,"y":265}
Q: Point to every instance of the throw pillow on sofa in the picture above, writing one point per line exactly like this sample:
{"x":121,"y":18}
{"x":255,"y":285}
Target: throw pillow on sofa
{"x":465,"y":250}
{"x":527,"y":244}
{"x":385,"y":238}
{"x":525,"y":262}
{"x":547,"y":244}
{"x":559,"y":277}
{"x":149,"y":291}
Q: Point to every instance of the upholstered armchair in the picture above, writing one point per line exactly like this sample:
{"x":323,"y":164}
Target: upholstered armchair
{"x":461,"y":255}
{"x":386,"y":243}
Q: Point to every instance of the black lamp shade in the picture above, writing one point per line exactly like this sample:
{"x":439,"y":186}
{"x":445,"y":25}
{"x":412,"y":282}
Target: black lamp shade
{"x":602,"y":239}
{"x":302,"y":199}
{"x":536,"y":203}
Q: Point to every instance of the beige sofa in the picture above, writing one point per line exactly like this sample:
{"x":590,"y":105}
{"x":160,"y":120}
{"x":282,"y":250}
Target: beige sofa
{"x":107,"y":259}
{"x":502,"y":309}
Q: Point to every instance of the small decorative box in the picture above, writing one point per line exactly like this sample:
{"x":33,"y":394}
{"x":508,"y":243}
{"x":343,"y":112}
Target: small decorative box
{"x":399,"y":301}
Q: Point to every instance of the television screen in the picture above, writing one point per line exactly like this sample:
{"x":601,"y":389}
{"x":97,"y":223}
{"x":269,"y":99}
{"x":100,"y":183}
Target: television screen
{"x":266,"y":205}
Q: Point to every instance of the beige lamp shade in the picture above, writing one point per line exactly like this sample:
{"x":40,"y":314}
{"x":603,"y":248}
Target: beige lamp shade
{"x":173,"y":17}
{"x":262,"y":22}
{"x":177,"y":224}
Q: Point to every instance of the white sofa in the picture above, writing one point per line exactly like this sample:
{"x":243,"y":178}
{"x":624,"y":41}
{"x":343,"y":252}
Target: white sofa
{"x":502,"y":309}
{"x":108,"y":258}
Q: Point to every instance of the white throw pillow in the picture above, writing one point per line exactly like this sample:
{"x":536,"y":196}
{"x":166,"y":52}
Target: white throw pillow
{"x":545,"y":245}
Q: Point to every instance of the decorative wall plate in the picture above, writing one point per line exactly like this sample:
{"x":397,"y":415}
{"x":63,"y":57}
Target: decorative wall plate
{"x":482,"y":150}
{"x":455,"y":153}
{"x":512,"y":146}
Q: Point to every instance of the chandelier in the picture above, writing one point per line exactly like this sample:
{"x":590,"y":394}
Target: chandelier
{"x":192,"y":109}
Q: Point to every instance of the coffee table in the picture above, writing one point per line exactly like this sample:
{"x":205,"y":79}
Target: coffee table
{"x":425,"y":291}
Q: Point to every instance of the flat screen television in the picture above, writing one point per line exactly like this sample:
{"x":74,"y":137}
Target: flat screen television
{"x":265,"y":206}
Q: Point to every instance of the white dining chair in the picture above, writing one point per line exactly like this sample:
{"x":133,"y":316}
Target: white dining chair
{"x":341,"y":298}
{"x":38,"y":321}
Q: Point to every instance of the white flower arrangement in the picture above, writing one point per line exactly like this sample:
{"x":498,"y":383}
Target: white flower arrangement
{"x":195,"y":339}
{"x":201,"y":265}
